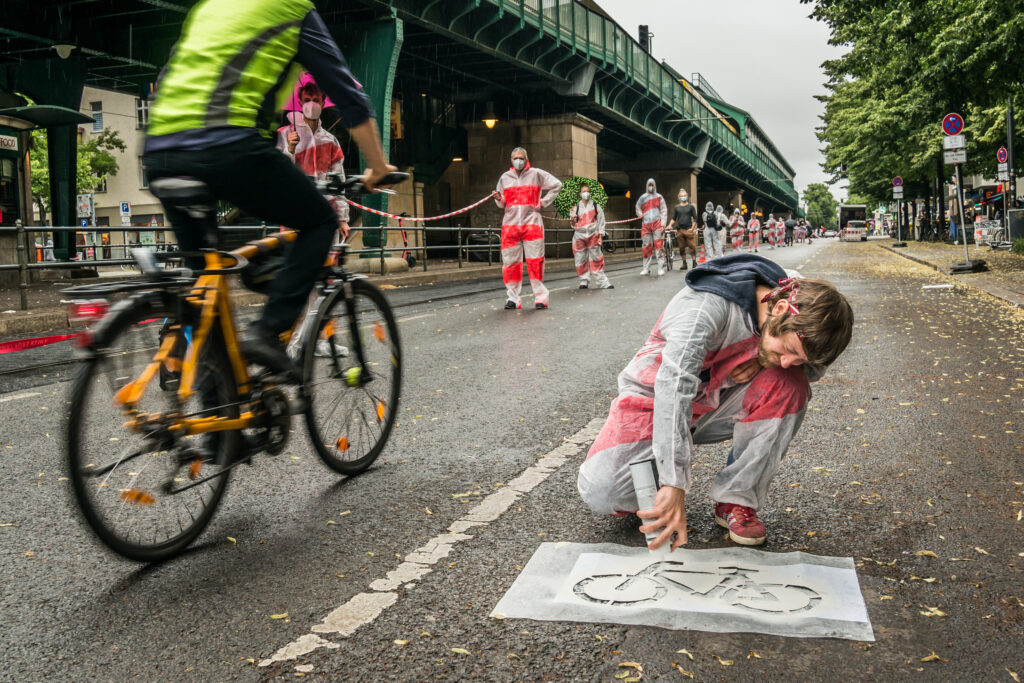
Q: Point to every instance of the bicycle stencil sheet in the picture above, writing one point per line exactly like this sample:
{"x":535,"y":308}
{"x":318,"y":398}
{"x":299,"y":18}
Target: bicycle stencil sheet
{"x":723,"y":590}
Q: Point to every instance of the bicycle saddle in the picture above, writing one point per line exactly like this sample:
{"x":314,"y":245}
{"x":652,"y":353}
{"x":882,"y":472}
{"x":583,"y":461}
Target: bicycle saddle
{"x":182,"y":191}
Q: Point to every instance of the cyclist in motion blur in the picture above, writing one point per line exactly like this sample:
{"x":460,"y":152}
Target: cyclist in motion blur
{"x":212,"y":120}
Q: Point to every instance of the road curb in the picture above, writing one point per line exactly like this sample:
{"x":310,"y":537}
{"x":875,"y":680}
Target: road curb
{"x":1008,"y":297}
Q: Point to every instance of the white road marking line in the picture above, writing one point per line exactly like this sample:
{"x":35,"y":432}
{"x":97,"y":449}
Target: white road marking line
{"x":17,"y":397}
{"x":416,"y":317}
{"x":363,"y":608}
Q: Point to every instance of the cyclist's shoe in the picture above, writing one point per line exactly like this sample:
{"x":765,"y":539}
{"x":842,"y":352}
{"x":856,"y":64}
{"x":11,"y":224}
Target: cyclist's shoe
{"x":512,"y":305}
{"x":540,"y":305}
{"x":645,"y":271}
{"x":661,"y":271}
{"x":584,"y":285}
{"x":609,"y":286}
{"x":742,"y":522}
{"x":324,"y":349}
{"x":263,"y":347}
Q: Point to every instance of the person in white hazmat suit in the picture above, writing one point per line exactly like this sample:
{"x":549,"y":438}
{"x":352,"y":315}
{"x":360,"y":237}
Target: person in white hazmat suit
{"x":587,"y":219}
{"x":711,"y":244}
{"x":723,"y":225}
{"x":522,"y":191}
{"x":653,"y":212}
{"x":729,"y":358}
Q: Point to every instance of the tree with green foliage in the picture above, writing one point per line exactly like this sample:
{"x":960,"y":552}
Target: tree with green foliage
{"x":821,"y":205}
{"x":96,"y":161}
{"x":909,"y":64}
{"x":570,"y":194}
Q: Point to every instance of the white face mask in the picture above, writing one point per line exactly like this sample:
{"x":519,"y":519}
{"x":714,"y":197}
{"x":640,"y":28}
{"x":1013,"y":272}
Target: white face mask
{"x":584,"y":196}
{"x":682,"y":199}
{"x":519,"y":164}
{"x":311,"y":110}
{"x":650,"y":189}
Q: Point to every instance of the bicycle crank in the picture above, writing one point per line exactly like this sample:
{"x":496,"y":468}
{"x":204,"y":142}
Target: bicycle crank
{"x":275,"y":420}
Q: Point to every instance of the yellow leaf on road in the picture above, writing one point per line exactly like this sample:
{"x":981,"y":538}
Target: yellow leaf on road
{"x":688,"y":674}
{"x":401,"y":643}
{"x":933,"y":658}
{"x":232,"y":540}
{"x":461,"y":651}
{"x":753,"y":655}
{"x":632,"y":665}
{"x":981,"y":550}
{"x":1013,"y":675}
{"x":283,"y":615}
{"x":724,"y":662}
{"x":925,"y":553}
{"x":685,"y":652}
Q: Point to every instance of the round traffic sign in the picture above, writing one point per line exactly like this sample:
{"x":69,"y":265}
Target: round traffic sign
{"x":1001,"y":155}
{"x":897,"y":181}
{"x":952,"y":124}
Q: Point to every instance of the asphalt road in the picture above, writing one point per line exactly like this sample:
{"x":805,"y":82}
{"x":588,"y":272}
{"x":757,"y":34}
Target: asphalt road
{"x":911,"y":444}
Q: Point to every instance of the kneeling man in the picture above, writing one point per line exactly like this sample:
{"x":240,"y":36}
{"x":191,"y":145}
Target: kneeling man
{"x":730,"y":358}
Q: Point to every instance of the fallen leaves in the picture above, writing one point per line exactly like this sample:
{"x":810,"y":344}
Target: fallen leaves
{"x":925,"y":553}
{"x":981,"y":551}
{"x":933,"y":657}
{"x":282,"y":615}
{"x":688,"y":674}
{"x":724,"y":662}
{"x":685,"y":652}
{"x":631,"y":676}
{"x":462,"y":651}
{"x":933,"y":612}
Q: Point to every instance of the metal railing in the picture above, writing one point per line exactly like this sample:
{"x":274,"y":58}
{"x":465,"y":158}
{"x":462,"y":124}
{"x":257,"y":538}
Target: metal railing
{"x":465,"y":249}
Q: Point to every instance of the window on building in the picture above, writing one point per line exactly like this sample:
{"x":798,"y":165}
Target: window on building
{"x":97,"y":116}
{"x":102,"y":187}
{"x":141,"y":112}
{"x":143,"y":180}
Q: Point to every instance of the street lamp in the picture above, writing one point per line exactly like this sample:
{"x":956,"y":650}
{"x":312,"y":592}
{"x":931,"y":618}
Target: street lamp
{"x":490,"y":118}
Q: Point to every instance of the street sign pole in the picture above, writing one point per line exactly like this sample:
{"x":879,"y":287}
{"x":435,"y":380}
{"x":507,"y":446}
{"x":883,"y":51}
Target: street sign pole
{"x":897,"y":194}
{"x":1009,"y":160}
{"x":954,"y":143}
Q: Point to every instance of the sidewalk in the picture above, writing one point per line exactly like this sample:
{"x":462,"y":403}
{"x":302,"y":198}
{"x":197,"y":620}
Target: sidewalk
{"x":1004,"y":278}
{"x":46,"y":312}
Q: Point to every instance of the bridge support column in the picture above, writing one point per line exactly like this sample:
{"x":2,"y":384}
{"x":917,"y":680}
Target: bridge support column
{"x":563,"y":145}
{"x":372,"y":52}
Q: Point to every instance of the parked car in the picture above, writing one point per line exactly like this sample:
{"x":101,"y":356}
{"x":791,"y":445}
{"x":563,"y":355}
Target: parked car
{"x":830,"y":233}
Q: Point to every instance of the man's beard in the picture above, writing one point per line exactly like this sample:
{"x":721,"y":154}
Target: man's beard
{"x":764,"y":356}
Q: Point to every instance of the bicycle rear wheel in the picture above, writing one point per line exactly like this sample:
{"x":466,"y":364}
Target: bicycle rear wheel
{"x":120,"y":476}
{"x":350,"y":415}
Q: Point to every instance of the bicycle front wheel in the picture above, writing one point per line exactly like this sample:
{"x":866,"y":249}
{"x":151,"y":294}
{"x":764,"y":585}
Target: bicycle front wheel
{"x":351,"y":409}
{"x":144,"y":493}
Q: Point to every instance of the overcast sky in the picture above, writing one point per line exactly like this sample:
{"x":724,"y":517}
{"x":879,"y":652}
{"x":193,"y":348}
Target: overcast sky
{"x":764,"y":56}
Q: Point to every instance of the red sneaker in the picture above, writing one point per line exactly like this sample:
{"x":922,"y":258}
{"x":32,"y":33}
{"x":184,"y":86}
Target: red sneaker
{"x":742,"y":522}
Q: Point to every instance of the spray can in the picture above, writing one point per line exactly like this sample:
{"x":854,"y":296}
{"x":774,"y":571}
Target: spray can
{"x":645,"y":483}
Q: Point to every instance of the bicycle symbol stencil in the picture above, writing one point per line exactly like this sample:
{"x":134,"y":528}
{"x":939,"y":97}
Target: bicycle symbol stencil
{"x":724,"y":590}
{"x":732,"y":586}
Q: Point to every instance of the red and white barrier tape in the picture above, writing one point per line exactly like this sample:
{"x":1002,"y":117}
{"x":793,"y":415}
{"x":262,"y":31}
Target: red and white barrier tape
{"x":413,"y":218}
{"x":25,"y":344}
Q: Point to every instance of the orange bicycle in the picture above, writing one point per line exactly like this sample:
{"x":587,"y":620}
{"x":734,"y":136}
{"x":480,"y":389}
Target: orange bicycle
{"x":165,"y":405}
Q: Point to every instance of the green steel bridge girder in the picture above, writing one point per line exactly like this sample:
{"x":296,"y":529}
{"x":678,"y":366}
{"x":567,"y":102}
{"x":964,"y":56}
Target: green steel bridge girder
{"x":553,"y":38}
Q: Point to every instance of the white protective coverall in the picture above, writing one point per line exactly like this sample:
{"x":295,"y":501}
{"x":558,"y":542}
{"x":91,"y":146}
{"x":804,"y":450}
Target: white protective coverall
{"x":522,"y":195}
{"x":653,"y":212}
{"x":737,"y":230}
{"x":711,"y":243}
{"x":677,"y":392}
{"x":587,"y":219}
{"x":723,"y":225}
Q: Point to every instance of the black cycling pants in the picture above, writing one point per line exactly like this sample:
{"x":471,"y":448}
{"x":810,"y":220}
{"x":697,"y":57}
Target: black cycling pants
{"x":257,"y":178}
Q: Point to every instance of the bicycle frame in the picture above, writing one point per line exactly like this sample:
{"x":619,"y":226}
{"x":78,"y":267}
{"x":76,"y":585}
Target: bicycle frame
{"x":210,"y":293}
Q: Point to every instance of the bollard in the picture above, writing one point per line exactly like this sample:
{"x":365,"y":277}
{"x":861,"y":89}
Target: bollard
{"x":458,"y":241}
{"x":22,"y":264}
{"x":380,"y":243}
{"x":263,"y":229}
